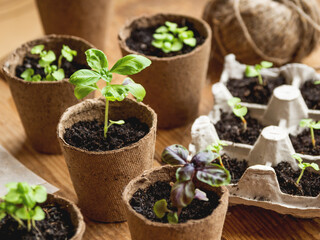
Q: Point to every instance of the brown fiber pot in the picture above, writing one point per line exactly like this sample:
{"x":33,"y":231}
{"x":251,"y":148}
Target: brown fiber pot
{"x":173,"y":84}
{"x":209,"y":228}
{"x":74,"y":212}
{"x":99,"y":177}
{"x":40,"y":104}
{"x":82,"y":18}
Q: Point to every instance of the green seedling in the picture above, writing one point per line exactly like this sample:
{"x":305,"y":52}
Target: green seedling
{"x":239,"y":110}
{"x":21,"y":203}
{"x":53,"y":72}
{"x":303,"y":166}
{"x":255,"y":71}
{"x":217,"y":148}
{"x":309,"y":123}
{"x":86,"y":80}
{"x":171,"y":38}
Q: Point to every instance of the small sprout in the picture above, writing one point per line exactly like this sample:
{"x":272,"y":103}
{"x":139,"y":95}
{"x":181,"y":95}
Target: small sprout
{"x":21,"y":203}
{"x":199,"y":168}
{"x":86,"y":80}
{"x":303,"y":166}
{"x":239,"y":110}
{"x":170,"y":38}
{"x":312,"y":125}
{"x":28,"y":76}
{"x":255,"y":71}
{"x":217,"y":148}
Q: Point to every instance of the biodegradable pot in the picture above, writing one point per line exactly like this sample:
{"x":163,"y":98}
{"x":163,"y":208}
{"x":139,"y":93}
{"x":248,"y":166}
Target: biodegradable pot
{"x":173,"y":84}
{"x":40,"y":104}
{"x":82,"y":18}
{"x":141,"y":228}
{"x":99,"y":177}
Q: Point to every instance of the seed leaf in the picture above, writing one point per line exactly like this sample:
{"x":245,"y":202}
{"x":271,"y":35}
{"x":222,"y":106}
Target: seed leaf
{"x":38,"y":214}
{"x":40,"y":194}
{"x":160,"y":208}
{"x":173,"y":217}
{"x":265,"y":64}
{"x":251,"y":72}
{"x":59,"y":74}
{"x":37,"y":49}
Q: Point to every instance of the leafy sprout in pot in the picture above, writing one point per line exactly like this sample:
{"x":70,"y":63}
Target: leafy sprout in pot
{"x":171,"y":38}
{"x":53,"y":72}
{"x":309,"y":123}
{"x":255,"y":71}
{"x":21,"y":203}
{"x":199,"y":168}
{"x":303,"y":166}
{"x":217,"y":148}
{"x":239,"y":110}
{"x":86,"y":80}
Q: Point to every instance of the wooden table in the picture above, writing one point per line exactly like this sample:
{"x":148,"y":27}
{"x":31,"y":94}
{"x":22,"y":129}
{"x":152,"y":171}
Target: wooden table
{"x":19,"y":22}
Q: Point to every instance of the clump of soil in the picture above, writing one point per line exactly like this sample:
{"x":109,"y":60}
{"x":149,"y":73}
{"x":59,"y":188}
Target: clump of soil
{"x":309,"y":184}
{"x":143,"y":201}
{"x":302,"y":142}
{"x":311,"y":94}
{"x":230,"y":128}
{"x":249,"y":90}
{"x":89,"y":135}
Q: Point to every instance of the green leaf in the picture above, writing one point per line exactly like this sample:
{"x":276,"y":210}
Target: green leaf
{"x":159,"y":36}
{"x":182,"y":194}
{"x":166,"y":46}
{"x":23,"y":187}
{"x":84,"y":77}
{"x":27,"y":74}
{"x":36,"y":78}
{"x":82,"y":91}
{"x":173,"y":218}
{"x":175,"y":155}
{"x":172,"y":26}
{"x":297,"y":157}
{"x":182,"y":29}
{"x":119,"y":122}
{"x":169,"y":37}
{"x":316,"y":82}
{"x":40,"y":194}
{"x":157,"y":43}
{"x":130,"y":64}
{"x":28,"y":200}
{"x":68,"y":53}
{"x":162,"y":29}
{"x":114,"y":92}
{"x":2,"y":215}
{"x":137,"y":90}
{"x":239,"y":110}
{"x":213,"y":175}
{"x":160,"y":208}
{"x":106,"y":75}
{"x":190,"y":42}
{"x":13,"y":196}
{"x":37,"y":49}
{"x":49,"y":57}
{"x":96,"y":59}
{"x":266,"y":64}
{"x":251,"y":72}
{"x":22,"y":213}
{"x":316,"y":125}
{"x":59,"y":74}
{"x":38,"y":214}
{"x":177,"y":45}
{"x":233,"y":101}
{"x":305,"y":122}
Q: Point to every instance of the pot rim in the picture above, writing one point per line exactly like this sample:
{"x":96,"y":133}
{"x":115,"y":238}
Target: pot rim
{"x":51,"y":37}
{"x":95,"y":101}
{"x":223,"y":197}
{"x":122,"y":41}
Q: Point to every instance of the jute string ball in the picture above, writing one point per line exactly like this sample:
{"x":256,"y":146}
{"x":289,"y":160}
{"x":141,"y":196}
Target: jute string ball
{"x":279,"y":31}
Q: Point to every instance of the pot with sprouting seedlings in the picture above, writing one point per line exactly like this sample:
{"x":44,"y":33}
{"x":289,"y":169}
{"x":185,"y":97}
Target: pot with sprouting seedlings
{"x":179,"y":47}
{"x":37,"y":73}
{"x":107,"y":141}
{"x":183,"y":201}
{"x":28,"y":212}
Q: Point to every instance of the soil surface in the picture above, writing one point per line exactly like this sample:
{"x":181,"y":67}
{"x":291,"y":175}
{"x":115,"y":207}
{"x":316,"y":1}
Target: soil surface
{"x":56,"y":226}
{"x":249,"y":90}
{"x":143,"y":201}
{"x":302,"y":142}
{"x":88,"y":135}
{"x":141,"y":38}
{"x":235,"y":167}
{"x":311,"y":94}
{"x":230,"y":128}
{"x":309,"y":184}
{"x":32,"y":62}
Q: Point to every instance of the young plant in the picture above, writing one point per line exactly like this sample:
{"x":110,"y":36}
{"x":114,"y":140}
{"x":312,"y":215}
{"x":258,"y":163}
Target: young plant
{"x":53,"y":72}
{"x":170,"y":38}
{"x":217,"y":148}
{"x":312,"y":125}
{"x":239,"y":110}
{"x":303,"y":166}
{"x":86,"y":80}
{"x":255,"y":71}
{"x":21,"y":203}
{"x":199,"y":168}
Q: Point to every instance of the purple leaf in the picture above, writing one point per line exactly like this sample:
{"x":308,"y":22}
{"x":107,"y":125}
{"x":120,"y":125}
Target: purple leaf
{"x":203,"y":158}
{"x":182,"y":193}
{"x":201,"y":195}
{"x":185,"y":173}
{"x":175,"y":155}
{"x":213,"y":175}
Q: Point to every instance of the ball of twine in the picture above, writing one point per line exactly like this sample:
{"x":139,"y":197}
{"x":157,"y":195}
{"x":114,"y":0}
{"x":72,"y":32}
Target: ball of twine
{"x":279,"y":31}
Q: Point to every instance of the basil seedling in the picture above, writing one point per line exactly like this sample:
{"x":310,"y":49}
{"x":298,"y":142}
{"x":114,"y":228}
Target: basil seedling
{"x":170,"y":38}
{"x":217,"y":148}
{"x":303,"y":166}
{"x":255,"y":71}
{"x":239,"y":110}
{"x":86,"y":80}
{"x":199,"y":168}
{"x":21,"y":203}
{"x":312,"y":125}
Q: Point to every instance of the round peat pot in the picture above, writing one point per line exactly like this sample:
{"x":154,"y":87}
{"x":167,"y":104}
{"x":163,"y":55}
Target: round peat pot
{"x":40,"y":104}
{"x":173,"y":84}
{"x":82,"y":18}
{"x":99,"y":177}
{"x":141,"y":228}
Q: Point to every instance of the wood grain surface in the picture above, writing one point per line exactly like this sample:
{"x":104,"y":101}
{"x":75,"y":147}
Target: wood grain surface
{"x":19,"y":22}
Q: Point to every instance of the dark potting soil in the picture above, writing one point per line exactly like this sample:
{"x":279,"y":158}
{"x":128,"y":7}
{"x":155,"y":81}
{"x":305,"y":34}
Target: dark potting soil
{"x":302,"y":142}
{"x":249,"y":90}
{"x":56,"y":226}
{"x":311,"y":94}
{"x":143,"y":201}
{"x":309,"y":184}
{"x":88,"y":135}
{"x":230,"y":128}
{"x":32,"y":62}
{"x":235,"y":167}
{"x":141,"y":38}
